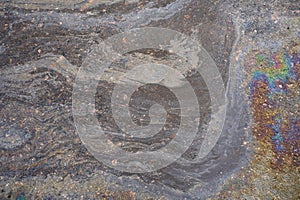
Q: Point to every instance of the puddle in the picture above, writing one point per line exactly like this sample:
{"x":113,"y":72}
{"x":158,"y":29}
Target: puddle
{"x":42,"y":51}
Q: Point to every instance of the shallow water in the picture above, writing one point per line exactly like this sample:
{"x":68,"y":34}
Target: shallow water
{"x":42,"y":50}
